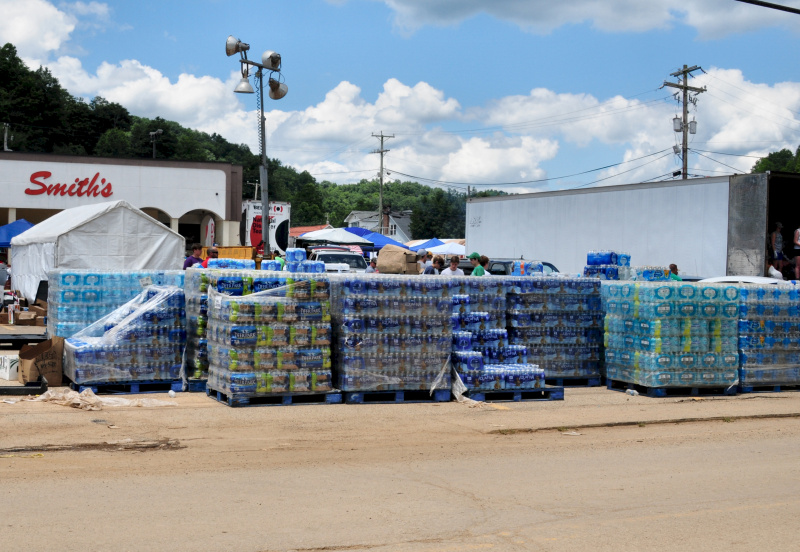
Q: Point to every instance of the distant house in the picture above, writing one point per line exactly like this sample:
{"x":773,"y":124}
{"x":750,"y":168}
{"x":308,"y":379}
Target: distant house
{"x":396,"y":224}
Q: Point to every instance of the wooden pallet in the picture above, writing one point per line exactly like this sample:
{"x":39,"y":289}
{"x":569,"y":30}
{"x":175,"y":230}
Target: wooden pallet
{"x":278,"y":399}
{"x":548,"y":393}
{"x":129,"y":387}
{"x":579,"y":381}
{"x":660,"y":392}
{"x":390,"y":397}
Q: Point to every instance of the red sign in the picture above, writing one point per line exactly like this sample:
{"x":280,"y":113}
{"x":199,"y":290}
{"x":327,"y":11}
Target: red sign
{"x":80,"y":188}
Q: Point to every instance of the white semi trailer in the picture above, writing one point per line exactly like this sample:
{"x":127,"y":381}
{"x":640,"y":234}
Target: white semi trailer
{"x":707,"y":226}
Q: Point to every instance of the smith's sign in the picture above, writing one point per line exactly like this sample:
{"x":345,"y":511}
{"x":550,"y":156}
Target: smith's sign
{"x":80,"y":188}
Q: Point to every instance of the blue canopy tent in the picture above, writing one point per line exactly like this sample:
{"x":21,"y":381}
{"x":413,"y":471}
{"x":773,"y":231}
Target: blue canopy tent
{"x":380,"y":240}
{"x":11,"y":230}
{"x":358,"y":231}
{"x":433,"y":242}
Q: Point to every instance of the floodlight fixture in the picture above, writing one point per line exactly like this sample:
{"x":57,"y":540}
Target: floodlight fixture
{"x":271,"y":60}
{"x":244,"y":86}
{"x":235,"y":46}
{"x":277,"y":90}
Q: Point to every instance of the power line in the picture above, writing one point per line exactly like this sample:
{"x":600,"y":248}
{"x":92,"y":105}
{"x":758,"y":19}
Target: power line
{"x":771,"y":5}
{"x":717,"y":161}
{"x":731,"y":154}
{"x":530,"y":181}
{"x":623,"y":172}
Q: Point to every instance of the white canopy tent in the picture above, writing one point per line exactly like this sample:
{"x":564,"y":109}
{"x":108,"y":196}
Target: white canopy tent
{"x":449,"y":248}
{"x":104,"y":236}
{"x":333,"y":236}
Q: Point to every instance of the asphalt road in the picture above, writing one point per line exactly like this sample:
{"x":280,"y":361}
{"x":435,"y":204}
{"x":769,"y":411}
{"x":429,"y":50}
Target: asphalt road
{"x":598,"y":471}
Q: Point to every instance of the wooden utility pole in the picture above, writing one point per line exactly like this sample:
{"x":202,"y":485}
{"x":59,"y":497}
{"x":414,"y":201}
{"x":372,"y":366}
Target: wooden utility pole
{"x":683,"y":78}
{"x":382,"y":151}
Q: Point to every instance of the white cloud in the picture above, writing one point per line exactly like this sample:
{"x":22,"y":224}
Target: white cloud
{"x":712,"y":18}
{"x":35,"y":27}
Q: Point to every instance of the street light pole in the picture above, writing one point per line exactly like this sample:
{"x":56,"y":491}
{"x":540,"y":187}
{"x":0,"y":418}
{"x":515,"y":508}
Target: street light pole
{"x":153,"y":137}
{"x":262,"y":170}
{"x":271,"y":62}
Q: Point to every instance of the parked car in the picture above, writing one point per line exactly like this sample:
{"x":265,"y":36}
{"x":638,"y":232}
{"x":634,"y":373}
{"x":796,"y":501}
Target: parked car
{"x":503,"y":267}
{"x":335,"y":257}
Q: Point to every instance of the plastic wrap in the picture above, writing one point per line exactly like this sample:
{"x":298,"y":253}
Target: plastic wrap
{"x":559,"y":321}
{"x":671,"y":334}
{"x":77,"y":298}
{"x":273,"y":341}
{"x":393,"y":332}
{"x":769,"y":335}
{"x":142,"y":341}
{"x":236,"y":283}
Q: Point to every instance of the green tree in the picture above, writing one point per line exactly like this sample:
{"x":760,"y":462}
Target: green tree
{"x":782,"y":160}
{"x":113,"y":143}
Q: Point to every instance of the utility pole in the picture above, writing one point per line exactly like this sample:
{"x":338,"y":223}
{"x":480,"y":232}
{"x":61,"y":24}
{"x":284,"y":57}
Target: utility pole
{"x":382,"y":137}
{"x":683,"y":85}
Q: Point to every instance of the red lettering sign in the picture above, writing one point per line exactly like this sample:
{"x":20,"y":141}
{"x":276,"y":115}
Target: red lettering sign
{"x":80,"y":188}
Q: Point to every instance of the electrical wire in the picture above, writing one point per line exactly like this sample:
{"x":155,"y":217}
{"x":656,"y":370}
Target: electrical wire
{"x":716,"y":161}
{"x":620,"y":173}
{"x":731,"y":154}
{"x":435,"y":181}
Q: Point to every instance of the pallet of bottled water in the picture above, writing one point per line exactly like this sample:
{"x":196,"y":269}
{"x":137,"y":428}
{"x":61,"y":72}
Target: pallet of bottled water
{"x":393,"y":332}
{"x":78,"y":298}
{"x":236,"y":283}
{"x":769,"y":336}
{"x":479,"y":317}
{"x":671,"y":334}
{"x":272,"y":339}
{"x":608,"y":265}
{"x":231,"y":264}
{"x":559,"y":321}
{"x":142,"y":341}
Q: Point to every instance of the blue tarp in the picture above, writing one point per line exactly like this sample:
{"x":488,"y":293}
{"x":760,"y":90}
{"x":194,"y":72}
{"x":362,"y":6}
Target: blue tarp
{"x":10,"y":230}
{"x":358,"y":231}
{"x":381,"y":240}
{"x":433,"y":242}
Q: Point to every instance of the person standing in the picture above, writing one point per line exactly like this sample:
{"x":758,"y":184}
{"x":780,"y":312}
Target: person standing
{"x":436,"y":266}
{"x":796,"y":251}
{"x":373,"y":263}
{"x":477,"y":269}
{"x":213,"y":253}
{"x":673,"y":273}
{"x":3,"y":275}
{"x":422,"y":257}
{"x":194,"y":258}
{"x":453,"y":269}
{"x":777,"y":247}
{"x":484,"y":262}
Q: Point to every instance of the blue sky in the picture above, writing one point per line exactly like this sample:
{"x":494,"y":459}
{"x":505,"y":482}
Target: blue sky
{"x":485,"y":92}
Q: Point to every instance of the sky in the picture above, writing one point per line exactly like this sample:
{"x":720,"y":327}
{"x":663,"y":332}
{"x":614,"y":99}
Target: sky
{"x":502,"y":94}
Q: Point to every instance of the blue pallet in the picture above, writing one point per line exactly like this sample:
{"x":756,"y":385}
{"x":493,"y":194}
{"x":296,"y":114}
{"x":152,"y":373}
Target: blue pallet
{"x":549,"y":393}
{"x":278,"y":399}
{"x":577,"y":381}
{"x":391,"y":397}
{"x":660,"y":392}
{"x":129,"y":387}
{"x":196,"y":386}
{"x":768,"y":388}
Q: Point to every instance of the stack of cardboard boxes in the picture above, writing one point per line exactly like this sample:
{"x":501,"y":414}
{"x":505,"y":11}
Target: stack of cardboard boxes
{"x":33,"y":315}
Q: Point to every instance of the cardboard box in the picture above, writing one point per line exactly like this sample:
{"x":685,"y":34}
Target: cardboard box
{"x":38,"y":310}
{"x":41,"y":321}
{"x":42,"y":359}
{"x":41,"y":303}
{"x":3,"y":317}
{"x":397,"y":260}
{"x":24,"y":318}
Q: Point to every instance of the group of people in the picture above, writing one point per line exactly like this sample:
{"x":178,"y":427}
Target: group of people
{"x":778,"y":259}
{"x":197,"y":256}
{"x":430,"y":264}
